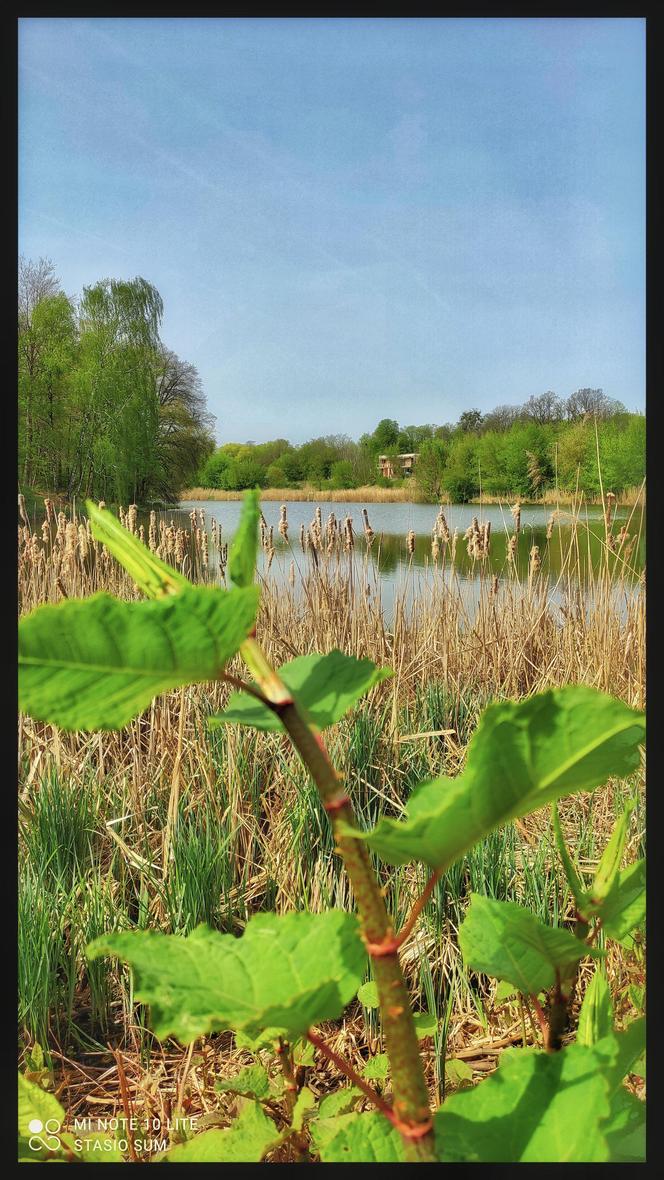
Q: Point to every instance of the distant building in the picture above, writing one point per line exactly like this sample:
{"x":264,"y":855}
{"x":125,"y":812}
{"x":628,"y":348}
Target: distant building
{"x":386,"y":464}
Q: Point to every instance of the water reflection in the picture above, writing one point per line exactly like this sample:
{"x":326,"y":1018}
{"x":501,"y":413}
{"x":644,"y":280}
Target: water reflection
{"x":566,"y":546}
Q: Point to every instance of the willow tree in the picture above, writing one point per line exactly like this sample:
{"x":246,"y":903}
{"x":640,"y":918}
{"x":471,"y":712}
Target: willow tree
{"x":185,"y":437}
{"x":47,"y":343}
{"x":116,"y":405}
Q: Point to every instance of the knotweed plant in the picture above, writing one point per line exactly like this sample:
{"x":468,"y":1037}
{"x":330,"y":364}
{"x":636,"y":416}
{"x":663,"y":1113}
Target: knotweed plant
{"x":96,"y":663}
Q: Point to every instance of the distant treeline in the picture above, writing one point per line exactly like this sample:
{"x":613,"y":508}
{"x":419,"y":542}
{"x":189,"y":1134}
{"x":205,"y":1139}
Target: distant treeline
{"x":105,"y":409}
{"x":512,"y":451}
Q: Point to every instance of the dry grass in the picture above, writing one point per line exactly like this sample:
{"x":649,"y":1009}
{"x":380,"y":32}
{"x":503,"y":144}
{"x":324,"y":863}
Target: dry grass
{"x":364,"y":495}
{"x":448,"y":653}
{"x":627,"y":498}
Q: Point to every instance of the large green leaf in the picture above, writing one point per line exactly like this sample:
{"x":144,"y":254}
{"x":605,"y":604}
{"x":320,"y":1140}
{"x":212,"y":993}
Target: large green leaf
{"x":629,"y":1046}
{"x":625,"y":906}
{"x":244,"y":546}
{"x":153,"y":576}
{"x":285,"y":973}
{"x":324,"y":686}
{"x":507,"y":941}
{"x":536,"y":1108}
{"x":596,"y":1015}
{"x":523,"y":754}
{"x":625,"y":1128}
{"x":358,"y":1139}
{"x":245,"y":1142}
{"x":609,"y":865}
{"x":95,"y":663}
{"x":251,"y":1081}
{"x":41,"y":1134}
{"x":40,"y":1121}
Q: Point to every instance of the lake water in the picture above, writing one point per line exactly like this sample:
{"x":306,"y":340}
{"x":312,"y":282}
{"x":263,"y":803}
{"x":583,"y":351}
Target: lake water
{"x":390,"y":567}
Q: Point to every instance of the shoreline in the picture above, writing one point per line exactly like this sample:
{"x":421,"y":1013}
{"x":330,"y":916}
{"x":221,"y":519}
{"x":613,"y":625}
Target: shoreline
{"x":373,"y":495}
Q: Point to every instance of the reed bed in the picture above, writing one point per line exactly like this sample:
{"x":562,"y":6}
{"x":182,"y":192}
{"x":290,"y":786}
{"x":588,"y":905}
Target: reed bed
{"x":409,"y":493}
{"x":367,"y":494}
{"x":168,"y":823}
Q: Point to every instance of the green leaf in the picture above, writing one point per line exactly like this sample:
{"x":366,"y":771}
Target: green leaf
{"x":244,"y":546}
{"x":41,"y":1135}
{"x":368,"y":994}
{"x":285,"y":973}
{"x":505,"y":940}
{"x":358,"y":1138}
{"x":263,"y":1040}
{"x":596,"y":1015}
{"x":426,"y":1024}
{"x":252,"y":1081}
{"x":625,"y":1128}
{"x":625,"y":906}
{"x":153,"y":576}
{"x":325,"y":688}
{"x":303,"y":1052}
{"x":630,"y":1044}
{"x":95,"y":663}
{"x":522,"y":755}
{"x":536,"y":1108}
{"x":609,"y":865}
{"x":340,"y":1102}
{"x":377,"y":1068}
{"x":245,"y":1142}
{"x":305,"y":1102}
{"x":40,"y":1121}
{"x":457,"y":1072}
{"x":505,"y":991}
{"x":571,"y":873}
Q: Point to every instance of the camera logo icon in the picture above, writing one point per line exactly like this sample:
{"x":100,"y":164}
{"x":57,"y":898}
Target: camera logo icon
{"x":44,"y":1135}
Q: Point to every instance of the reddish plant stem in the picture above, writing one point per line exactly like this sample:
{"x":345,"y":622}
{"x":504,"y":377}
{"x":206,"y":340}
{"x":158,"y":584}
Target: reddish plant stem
{"x":541,"y":1019}
{"x":411,"y":1101}
{"x":407,"y":929}
{"x":346,"y":1068}
{"x":243,"y":687}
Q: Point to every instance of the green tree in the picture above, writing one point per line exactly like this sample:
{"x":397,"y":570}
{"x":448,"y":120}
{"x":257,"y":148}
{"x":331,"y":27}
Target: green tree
{"x":115,"y":454}
{"x":430,"y":469}
{"x":342,"y":474}
{"x":461,"y":476}
{"x":470,"y":421}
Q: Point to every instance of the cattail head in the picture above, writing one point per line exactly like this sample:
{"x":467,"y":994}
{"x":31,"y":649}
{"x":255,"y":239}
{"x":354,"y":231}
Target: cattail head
{"x":283,"y":523}
{"x":131,"y":518}
{"x":410,"y":542}
{"x":516,"y":513}
{"x":435,"y":547}
{"x":71,"y":541}
{"x":21,"y":508}
{"x":83,"y":544}
{"x":535,"y":561}
{"x":48,"y":505}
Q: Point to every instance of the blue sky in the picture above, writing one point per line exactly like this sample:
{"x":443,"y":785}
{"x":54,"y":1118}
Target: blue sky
{"x":350,"y":219}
